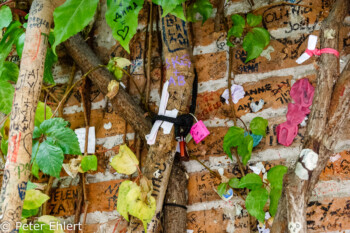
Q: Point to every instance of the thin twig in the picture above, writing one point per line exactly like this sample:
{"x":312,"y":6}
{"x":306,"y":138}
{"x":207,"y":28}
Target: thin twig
{"x":149,"y":56}
{"x":133,"y":81}
{"x":5,"y":3}
{"x":5,"y":118}
{"x":72,"y":87}
{"x":69,"y":85}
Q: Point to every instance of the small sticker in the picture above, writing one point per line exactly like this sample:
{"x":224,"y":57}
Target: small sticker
{"x":199,"y":132}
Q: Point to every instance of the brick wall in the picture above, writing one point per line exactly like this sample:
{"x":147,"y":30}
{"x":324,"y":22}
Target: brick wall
{"x":268,"y":77}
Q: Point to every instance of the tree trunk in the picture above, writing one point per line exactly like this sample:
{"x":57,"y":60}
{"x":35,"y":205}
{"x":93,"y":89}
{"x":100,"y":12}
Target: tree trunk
{"x":175,"y":211}
{"x":17,"y":168}
{"x":323,"y":126}
{"x":180,"y":74}
{"x":122,"y":103}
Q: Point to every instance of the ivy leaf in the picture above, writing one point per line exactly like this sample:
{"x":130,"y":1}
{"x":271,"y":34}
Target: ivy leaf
{"x":234,"y":183}
{"x":255,"y":203}
{"x":238,"y":26}
{"x":20,"y":44}
{"x":31,"y":185}
{"x":125,"y":162}
{"x":253,"y":20}
{"x":123,"y":195}
{"x":232,"y":138}
{"x":10,"y":37}
{"x":50,"y":60}
{"x":55,"y":130}
{"x":122,"y":17}
{"x":6,"y":97}
{"x":5,"y":16}
{"x":275,"y":176}
{"x":50,"y":158}
{"x":275,"y":195}
{"x":9,"y":71}
{"x":40,"y":115}
{"x":34,"y":199}
{"x":168,"y":6}
{"x":89,"y":163}
{"x":251,"y":181}
{"x":255,"y":42}
{"x":245,"y":149}
{"x":222,"y":189}
{"x":29,"y":213}
{"x":35,"y":169}
{"x":143,"y":211}
{"x":4,"y":146}
{"x":203,"y":7}
{"x":71,"y":17}
{"x":258,"y":126}
{"x":52,"y":222}
{"x":179,"y":12}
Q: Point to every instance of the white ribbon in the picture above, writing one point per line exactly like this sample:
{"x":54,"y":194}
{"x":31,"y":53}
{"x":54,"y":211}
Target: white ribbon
{"x":166,"y":126}
{"x":311,"y":45}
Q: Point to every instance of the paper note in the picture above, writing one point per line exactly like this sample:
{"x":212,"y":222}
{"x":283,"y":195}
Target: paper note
{"x":91,"y":140}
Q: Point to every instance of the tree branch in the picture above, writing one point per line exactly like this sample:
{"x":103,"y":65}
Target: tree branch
{"x":122,"y":102}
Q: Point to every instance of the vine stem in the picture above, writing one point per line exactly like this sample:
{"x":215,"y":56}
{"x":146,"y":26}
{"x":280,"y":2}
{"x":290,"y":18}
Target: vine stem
{"x":133,"y":81}
{"x":149,"y":56}
{"x":5,"y":3}
{"x":72,"y":87}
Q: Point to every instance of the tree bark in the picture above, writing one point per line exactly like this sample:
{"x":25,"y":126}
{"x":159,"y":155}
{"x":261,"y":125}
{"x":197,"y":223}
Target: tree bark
{"x":175,"y":211}
{"x":326,"y":118}
{"x":122,"y":103}
{"x":17,"y":167}
{"x":180,"y":74}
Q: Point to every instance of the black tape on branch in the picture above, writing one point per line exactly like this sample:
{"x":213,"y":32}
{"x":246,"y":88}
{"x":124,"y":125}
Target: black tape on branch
{"x":184,"y":122}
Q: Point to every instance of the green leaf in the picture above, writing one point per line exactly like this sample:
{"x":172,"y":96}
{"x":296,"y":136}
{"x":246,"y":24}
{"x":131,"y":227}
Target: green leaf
{"x":55,"y":130}
{"x":122,"y":204}
{"x":125,"y":162}
{"x":245,"y":149}
{"x":275,"y":176}
{"x":50,"y":60}
{"x":251,"y":181}
{"x":29,"y":213}
{"x":50,"y":158}
{"x":4,"y":146}
{"x":89,"y":163}
{"x":6,"y":97}
{"x":122,"y":17}
{"x":31,"y":185}
{"x":238,"y":26}
{"x":5,"y":17}
{"x":11,"y":35}
{"x":168,"y":6}
{"x":9,"y":72}
{"x":253,"y":20}
{"x":143,"y":211}
{"x":255,"y":203}
{"x":234,"y":183}
{"x":20,"y":44}
{"x":40,"y":114}
{"x":35,"y":169}
{"x":203,"y":7}
{"x":52,"y":222}
{"x":258,"y":126}
{"x":179,"y":12}
{"x":232,"y":138}
{"x":255,"y":42}
{"x":71,"y":17}
{"x":222,"y":189}
{"x":275,"y":195}
{"x":34,"y":199}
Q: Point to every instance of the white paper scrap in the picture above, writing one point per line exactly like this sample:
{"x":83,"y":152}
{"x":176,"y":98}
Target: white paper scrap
{"x":91,"y":140}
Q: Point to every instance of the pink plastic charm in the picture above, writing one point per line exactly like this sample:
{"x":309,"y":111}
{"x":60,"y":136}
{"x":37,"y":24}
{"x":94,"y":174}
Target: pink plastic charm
{"x":199,"y":132}
{"x":302,"y":92}
{"x":286,"y":133}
